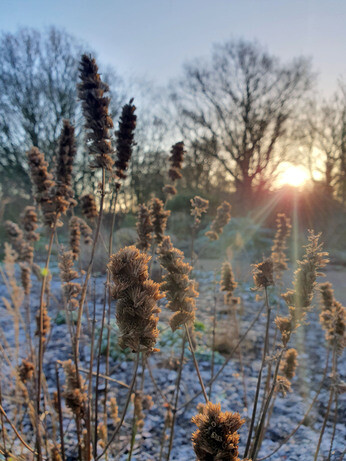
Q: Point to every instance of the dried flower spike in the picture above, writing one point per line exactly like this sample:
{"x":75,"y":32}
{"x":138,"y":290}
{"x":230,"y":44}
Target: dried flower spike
{"x":198,"y":206}
{"x":136,"y":297}
{"x":159,"y":218}
{"x":75,"y":395}
{"x":91,"y":92}
{"x":216,"y":437}
{"x":89,"y":208}
{"x":144,"y":228}
{"x":263,"y":274}
{"x":29,"y":222}
{"x":278,"y":255}
{"x":125,"y":139}
{"x":63,"y":190}
{"x":289,"y":363}
{"x":43,"y":185}
{"x":180,"y":290}
{"x":223,"y":215}
{"x":228,"y":283}
{"x":26,"y":370}
{"x":176,"y":161}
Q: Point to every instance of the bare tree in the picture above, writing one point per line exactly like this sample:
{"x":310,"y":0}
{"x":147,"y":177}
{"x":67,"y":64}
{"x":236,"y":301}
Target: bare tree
{"x":38,"y":76}
{"x":236,"y":108}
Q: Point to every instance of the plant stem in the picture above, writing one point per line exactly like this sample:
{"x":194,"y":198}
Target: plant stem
{"x":213,"y":339}
{"x":176,"y":397}
{"x":265,"y":349}
{"x":196,"y":364}
{"x":61,"y":428}
{"x":88,"y":274}
{"x":40,"y":347}
{"x":131,"y":387}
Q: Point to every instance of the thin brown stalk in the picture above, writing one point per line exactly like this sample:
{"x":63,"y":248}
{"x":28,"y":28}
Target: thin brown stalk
{"x":213,"y":339}
{"x":128,"y":399}
{"x":61,"y":427}
{"x":291,"y":434}
{"x":236,"y":325}
{"x":40,"y":332}
{"x":265,"y":350}
{"x":3,"y":429}
{"x":256,"y":445}
{"x":157,"y":387}
{"x":19,"y":437}
{"x":226,"y":362}
{"x":330,"y":401}
{"x":334,"y":426}
{"x":88,"y":273}
{"x":196,"y":364}
{"x":176,"y":396}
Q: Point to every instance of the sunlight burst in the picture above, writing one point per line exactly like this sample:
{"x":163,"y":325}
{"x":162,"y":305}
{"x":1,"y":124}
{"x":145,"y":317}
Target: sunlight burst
{"x":294,"y":176}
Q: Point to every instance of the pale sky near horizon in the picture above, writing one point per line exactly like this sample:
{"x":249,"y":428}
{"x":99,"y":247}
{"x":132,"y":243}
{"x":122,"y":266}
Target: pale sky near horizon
{"x":153,"y":38}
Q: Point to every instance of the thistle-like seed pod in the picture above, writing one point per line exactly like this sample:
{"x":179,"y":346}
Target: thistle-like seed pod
{"x":25,"y":273}
{"x":89,"y":208}
{"x":176,"y":161}
{"x":159,"y":218}
{"x":223,"y":215}
{"x":198,"y":206}
{"x":29,"y":222}
{"x":180,"y":290}
{"x":75,"y":396}
{"x":25,"y":370}
{"x":136,"y":297}
{"x":278,"y":255}
{"x":333,"y":318}
{"x":216,"y":437}
{"x":46,"y":324}
{"x":299,"y":299}
{"x":228,"y":283}
{"x":168,"y":189}
{"x":282,"y":385}
{"x":144,"y":228}
{"x":75,"y":232}
{"x":63,"y":190}
{"x":70,"y":289}
{"x":263,"y":274}
{"x":43,"y":184}
{"x":91,"y":92}
{"x":289,"y":363}
{"x":125,"y":139}
{"x":86,"y":232}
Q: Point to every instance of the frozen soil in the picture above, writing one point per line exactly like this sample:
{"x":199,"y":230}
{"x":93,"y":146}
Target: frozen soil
{"x":228,"y":388}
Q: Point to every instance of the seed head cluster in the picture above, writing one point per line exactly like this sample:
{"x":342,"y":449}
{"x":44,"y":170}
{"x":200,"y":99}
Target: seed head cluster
{"x":144,"y":228}
{"x":228,"y":284}
{"x":125,"y":139}
{"x":263,"y":274}
{"x":91,"y":92}
{"x":180,"y":289}
{"x":216,"y":437}
{"x":67,"y":274}
{"x":136,"y":297}
{"x":159,"y":218}
{"x":89,"y":209}
{"x":75,"y":395}
{"x":223,"y":216}
{"x":333,"y":318}
{"x":198,"y":206}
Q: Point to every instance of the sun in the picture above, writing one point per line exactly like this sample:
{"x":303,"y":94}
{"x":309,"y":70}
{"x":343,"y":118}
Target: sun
{"x":293,"y":175}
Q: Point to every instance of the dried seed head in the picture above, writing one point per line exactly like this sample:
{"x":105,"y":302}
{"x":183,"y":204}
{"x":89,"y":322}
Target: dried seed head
{"x":89,"y":208}
{"x":75,"y":232}
{"x":114,"y":410}
{"x":125,"y":139}
{"x":198,"y":206}
{"x":282,"y":385}
{"x":159,"y":218}
{"x":333,"y":318}
{"x":29,"y":222}
{"x":45,"y":324}
{"x":75,"y":395}
{"x":168,"y":189}
{"x":25,"y":277}
{"x":136,"y":297}
{"x":289,"y":364}
{"x":176,"y":161}
{"x":299,"y":299}
{"x":263,"y":274}
{"x":55,"y":453}
{"x":91,"y":92}
{"x":43,"y":184}
{"x":70,"y":289}
{"x":144,"y":228}
{"x":180,"y":290}
{"x":216,"y":437}
{"x":228,"y":283}
{"x":26,"y":370}
{"x":63,"y":191}
{"x":285,"y":327}
{"x":278,"y":255}
{"x":102,"y":434}
{"x":223,"y":215}
{"x":86,"y":232}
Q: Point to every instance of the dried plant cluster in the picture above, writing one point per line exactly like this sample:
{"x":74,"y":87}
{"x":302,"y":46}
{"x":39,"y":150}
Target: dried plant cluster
{"x":137,"y":298}
{"x":223,"y":216}
{"x":130,"y":296}
{"x":180,"y":289}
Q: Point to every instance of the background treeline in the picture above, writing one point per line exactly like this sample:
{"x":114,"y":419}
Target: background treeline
{"x":240,"y":111}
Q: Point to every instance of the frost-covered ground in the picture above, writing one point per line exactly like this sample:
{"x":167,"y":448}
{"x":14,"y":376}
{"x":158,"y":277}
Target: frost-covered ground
{"x":228,"y":389}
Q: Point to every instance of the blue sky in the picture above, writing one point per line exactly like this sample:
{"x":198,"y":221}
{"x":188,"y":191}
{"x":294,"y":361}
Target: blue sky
{"x":153,"y":38}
